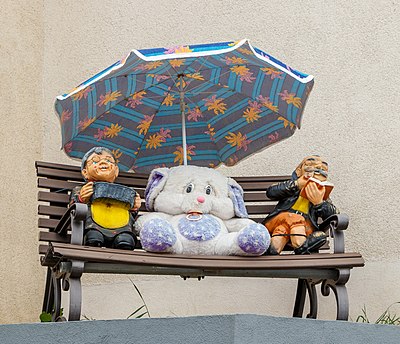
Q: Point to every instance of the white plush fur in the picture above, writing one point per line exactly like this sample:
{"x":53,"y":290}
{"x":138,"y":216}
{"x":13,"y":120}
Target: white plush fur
{"x":171,"y":201}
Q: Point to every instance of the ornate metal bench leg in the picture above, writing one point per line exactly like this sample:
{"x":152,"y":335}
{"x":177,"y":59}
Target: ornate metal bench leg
{"x":312,"y":295}
{"x":48,"y":298}
{"x":300,"y":298}
{"x":72,"y":282}
{"x":304,"y":286}
{"x":52,"y":297}
{"x":56,"y":316}
{"x":339,"y":288}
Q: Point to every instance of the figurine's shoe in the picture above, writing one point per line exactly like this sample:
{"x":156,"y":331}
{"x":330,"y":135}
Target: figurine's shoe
{"x":271,"y":251}
{"x":313,"y":242}
{"x":124,"y":241}
{"x":93,"y":238}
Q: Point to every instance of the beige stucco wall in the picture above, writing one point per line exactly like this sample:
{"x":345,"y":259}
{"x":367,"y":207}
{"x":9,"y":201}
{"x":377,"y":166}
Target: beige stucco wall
{"x":21,"y":140}
{"x":351,"y":118}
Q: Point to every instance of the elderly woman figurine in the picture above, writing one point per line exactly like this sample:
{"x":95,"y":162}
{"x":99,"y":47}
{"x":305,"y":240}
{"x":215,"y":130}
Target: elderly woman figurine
{"x":302,"y":200}
{"x":112,"y":207}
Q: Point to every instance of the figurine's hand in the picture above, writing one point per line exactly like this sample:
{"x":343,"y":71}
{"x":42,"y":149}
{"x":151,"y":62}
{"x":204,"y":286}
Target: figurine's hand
{"x":86,"y":192}
{"x":315,"y":193}
{"x":302,"y":181}
{"x":138,"y":202}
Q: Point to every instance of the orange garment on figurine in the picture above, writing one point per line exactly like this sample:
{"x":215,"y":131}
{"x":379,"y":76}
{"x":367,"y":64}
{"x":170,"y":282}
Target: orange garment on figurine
{"x":302,"y":200}
{"x":112,"y":207}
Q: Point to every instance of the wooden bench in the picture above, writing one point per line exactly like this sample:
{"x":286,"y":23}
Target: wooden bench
{"x":61,"y":250}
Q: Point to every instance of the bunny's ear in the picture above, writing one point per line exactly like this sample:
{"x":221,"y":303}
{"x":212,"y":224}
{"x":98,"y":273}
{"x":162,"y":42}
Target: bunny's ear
{"x":157,"y":179}
{"x":236,"y":195}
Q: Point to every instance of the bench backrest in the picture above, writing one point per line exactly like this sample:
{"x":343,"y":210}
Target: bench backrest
{"x":55,"y":181}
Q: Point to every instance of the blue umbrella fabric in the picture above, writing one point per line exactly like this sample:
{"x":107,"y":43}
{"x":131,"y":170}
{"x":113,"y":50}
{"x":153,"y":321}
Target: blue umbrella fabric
{"x":201,"y":104}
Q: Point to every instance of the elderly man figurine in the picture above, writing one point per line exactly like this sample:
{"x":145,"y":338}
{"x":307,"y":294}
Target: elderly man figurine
{"x":112,"y":207}
{"x":302,"y":200}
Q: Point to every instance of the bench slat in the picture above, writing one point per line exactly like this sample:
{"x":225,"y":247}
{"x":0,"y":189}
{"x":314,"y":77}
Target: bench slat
{"x":61,"y":185}
{"x":321,"y":260}
{"x":59,"y":174}
{"x":55,"y":197}
{"x":47,"y":223}
{"x":255,"y":196}
{"x":54,"y":237}
{"x":255,"y":186}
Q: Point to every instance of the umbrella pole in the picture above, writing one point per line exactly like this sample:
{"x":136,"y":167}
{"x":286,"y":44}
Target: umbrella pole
{"x":182,"y":103}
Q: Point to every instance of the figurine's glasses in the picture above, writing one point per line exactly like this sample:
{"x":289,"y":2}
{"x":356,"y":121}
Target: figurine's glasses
{"x":96,"y":159}
{"x":310,"y":171}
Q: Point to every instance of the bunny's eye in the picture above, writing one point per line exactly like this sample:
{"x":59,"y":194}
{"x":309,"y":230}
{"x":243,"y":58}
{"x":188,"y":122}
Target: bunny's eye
{"x":189,"y":188}
{"x":208,"y":189}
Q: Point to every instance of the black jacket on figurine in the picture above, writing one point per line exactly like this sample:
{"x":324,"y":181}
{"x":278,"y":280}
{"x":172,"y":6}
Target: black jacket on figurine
{"x":287,"y":193}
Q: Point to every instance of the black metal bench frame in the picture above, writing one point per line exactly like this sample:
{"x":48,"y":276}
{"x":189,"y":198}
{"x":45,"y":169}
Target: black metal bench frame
{"x":66,"y":259}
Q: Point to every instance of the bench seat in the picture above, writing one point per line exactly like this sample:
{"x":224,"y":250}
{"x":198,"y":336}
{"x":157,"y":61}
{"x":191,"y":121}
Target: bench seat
{"x":61,"y":250}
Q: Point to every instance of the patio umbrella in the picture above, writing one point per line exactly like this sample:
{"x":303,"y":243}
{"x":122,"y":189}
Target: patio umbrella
{"x":204,"y":104}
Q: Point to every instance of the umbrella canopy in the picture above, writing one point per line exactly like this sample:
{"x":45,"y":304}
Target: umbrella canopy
{"x":207,"y":104}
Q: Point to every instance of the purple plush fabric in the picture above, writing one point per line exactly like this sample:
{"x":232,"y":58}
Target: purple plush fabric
{"x":254,"y":239}
{"x":155,"y":180}
{"x":157,"y":235}
{"x":202,"y":230}
{"x":238,"y":202}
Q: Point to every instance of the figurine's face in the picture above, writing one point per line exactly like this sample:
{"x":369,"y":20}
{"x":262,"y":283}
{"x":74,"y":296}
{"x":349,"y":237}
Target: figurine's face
{"x":315,"y":167}
{"x":101,"y":168}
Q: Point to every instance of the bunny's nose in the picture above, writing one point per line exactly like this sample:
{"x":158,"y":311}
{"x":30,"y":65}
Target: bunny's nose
{"x":200,"y":199}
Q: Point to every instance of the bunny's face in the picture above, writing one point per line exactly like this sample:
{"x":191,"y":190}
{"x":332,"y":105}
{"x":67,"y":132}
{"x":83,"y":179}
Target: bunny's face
{"x":192,"y":189}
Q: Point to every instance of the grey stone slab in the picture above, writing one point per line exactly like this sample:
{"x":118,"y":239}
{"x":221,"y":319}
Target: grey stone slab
{"x":220,"y":329}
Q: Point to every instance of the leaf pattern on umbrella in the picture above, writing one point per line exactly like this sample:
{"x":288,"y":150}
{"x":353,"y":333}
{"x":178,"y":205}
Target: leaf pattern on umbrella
{"x":265,"y":101}
{"x":234,"y":60}
{"x":175,"y":63}
{"x":238,"y":140}
{"x":117,"y":154}
{"x":215,"y":104}
{"x":82,"y":125}
{"x":272,"y":72}
{"x":179,"y":153}
{"x":113,"y":131}
{"x":168,"y":100}
{"x":245,"y":51}
{"x":286,"y":122}
{"x":154,"y":141}
{"x":236,"y":98}
{"x":136,"y":99}
{"x":211,"y":132}
{"x":194,"y":114}
{"x":145,"y":124}
{"x":65,"y":115}
{"x":82,"y":94}
{"x":244,"y":73}
{"x":101,"y":134}
{"x":290,"y":98}
{"x":104,"y":99}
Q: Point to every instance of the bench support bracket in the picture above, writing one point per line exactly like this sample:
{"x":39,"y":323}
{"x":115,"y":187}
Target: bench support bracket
{"x":307,"y":286}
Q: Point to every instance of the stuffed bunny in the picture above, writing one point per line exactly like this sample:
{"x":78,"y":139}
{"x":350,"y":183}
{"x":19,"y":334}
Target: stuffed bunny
{"x":197,"y":210}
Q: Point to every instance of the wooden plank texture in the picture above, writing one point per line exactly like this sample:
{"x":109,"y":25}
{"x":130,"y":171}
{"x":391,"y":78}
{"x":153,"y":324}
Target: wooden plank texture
{"x":286,"y":261}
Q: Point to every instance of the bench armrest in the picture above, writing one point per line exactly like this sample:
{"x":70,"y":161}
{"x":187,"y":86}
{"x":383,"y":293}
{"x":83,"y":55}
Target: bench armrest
{"x":74,"y":217}
{"x":334,"y":226}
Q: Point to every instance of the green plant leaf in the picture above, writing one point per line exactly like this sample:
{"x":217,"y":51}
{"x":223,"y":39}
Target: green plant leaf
{"x":140,"y":294}
{"x":386,"y":318}
{"x":45,"y":317}
{"x":136,"y":311}
{"x":139,"y":316}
